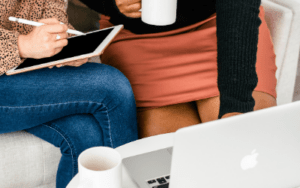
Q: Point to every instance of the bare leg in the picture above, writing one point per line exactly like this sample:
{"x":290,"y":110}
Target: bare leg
{"x":170,"y":118}
{"x":167,"y":119}
{"x":209,"y":108}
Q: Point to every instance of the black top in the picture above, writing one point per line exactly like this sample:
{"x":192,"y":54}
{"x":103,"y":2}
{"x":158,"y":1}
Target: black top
{"x":237,"y":33}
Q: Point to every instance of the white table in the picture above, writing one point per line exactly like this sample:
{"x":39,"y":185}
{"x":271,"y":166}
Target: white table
{"x":135,"y":148}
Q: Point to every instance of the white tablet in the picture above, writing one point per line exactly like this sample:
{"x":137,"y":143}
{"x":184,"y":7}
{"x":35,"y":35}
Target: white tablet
{"x":79,"y":47}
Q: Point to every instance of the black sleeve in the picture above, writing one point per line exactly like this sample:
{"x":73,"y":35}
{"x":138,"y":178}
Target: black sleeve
{"x":106,"y":7}
{"x":237,"y":32}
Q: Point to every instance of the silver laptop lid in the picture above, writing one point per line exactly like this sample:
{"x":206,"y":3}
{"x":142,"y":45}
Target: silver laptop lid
{"x":258,"y":149}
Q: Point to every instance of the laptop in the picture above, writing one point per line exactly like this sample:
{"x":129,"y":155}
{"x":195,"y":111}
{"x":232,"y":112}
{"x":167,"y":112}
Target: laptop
{"x":258,"y":149}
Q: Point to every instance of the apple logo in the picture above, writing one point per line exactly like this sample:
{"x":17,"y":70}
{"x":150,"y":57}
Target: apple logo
{"x":249,"y":161}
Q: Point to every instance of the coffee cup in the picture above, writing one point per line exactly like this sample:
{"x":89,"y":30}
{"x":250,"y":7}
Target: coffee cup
{"x":100,"y":167}
{"x":159,"y":12}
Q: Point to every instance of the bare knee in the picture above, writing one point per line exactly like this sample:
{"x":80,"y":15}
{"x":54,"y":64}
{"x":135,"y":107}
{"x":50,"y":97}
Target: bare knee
{"x":166,"y":119}
{"x":263,"y":100}
{"x":208,"y":108}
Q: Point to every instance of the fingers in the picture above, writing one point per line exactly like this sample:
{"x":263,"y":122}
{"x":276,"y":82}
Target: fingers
{"x":55,"y":28}
{"x":134,"y":7}
{"x":134,"y":15}
{"x":49,"y":21}
{"x":78,"y":63}
{"x":133,"y":1}
{"x":60,"y":43}
{"x":75,"y":63}
{"x":56,"y":51}
{"x":133,"y":10}
{"x":126,"y":2}
{"x":61,"y":35}
{"x":53,"y":25}
{"x":129,"y":8}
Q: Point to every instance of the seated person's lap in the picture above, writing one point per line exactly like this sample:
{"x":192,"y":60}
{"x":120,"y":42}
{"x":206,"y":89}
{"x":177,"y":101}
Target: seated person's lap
{"x":180,"y":89}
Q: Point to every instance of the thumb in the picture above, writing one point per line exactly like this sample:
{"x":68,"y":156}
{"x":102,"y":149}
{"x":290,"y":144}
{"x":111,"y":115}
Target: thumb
{"x":49,"y":21}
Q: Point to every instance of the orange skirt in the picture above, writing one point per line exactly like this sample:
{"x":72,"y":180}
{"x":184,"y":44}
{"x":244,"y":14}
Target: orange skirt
{"x":180,"y":66}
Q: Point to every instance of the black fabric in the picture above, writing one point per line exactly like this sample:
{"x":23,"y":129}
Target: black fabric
{"x":237,"y":32}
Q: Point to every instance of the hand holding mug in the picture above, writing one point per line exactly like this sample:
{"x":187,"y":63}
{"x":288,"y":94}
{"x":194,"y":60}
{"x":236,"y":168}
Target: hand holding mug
{"x":129,"y":8}
{"x":154,"y":12}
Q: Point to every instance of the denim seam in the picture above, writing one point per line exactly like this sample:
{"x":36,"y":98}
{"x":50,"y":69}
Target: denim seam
{"x":109,"y":126}
{"x":69,"y":103}
{"x":50,"y":104}
{"x":67,"y":140}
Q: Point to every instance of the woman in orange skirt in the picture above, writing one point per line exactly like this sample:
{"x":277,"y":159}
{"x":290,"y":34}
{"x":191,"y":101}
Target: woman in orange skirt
{"x":174,"y":73}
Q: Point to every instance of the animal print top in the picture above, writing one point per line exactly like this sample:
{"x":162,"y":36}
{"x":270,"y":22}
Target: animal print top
{"x":9,"y":31}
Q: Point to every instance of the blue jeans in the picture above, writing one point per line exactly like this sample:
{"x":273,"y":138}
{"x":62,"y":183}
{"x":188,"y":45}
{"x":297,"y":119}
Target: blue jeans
{"x":73,"y":108}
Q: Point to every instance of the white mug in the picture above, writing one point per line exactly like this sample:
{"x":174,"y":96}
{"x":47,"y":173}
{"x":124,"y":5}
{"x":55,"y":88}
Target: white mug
{"x":159,"y":12}
{"x":100,"y":167}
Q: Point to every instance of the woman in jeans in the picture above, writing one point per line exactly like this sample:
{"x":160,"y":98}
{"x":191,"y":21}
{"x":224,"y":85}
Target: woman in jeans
{"x":75,"y":107}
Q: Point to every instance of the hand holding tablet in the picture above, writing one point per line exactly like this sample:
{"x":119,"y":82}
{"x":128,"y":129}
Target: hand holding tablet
{"x":76,"y":63}
{"x":42,"y":49}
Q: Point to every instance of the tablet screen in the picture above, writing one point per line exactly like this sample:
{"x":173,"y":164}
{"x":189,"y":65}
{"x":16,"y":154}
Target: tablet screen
{"x":78,"y":45}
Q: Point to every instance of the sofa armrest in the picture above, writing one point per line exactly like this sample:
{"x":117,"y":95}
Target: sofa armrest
{"x":282,"y":17}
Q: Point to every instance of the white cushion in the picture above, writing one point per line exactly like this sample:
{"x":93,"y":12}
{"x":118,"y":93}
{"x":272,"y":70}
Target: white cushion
{"x":26,"y":161}
{"x":279,"y":20}
{"x":283,"y":17}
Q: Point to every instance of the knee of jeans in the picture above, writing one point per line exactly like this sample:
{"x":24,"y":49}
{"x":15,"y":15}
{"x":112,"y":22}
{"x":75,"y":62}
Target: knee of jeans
{"x":79,"y":141}
{"x":118,"y":85}
{"x":82,"y":132}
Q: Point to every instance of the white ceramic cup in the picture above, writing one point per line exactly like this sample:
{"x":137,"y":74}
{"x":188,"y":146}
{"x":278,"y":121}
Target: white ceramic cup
{"x":100,"y":167}
{"x":159,"y":12}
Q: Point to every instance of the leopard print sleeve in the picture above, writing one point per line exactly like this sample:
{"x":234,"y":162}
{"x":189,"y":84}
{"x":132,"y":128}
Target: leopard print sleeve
{"x":57,"y":9}
{"x":10,"y":31}
{"x":9,"y":51}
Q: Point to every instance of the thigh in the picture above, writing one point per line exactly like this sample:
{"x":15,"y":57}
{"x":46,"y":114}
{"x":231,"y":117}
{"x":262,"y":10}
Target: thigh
{"x":59,"y":85}
{"x":167,"y":119}
{"x":209,"y":108}
{"x":32,"y":98}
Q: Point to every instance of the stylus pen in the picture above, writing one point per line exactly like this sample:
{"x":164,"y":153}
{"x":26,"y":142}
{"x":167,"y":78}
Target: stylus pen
{"x":29,"y":22}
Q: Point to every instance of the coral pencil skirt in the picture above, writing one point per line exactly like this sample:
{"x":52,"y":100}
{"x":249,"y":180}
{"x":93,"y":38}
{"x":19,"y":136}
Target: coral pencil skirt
{"x":180,"y":66}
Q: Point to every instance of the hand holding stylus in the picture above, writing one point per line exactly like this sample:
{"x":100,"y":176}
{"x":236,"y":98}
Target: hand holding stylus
{"x":42,"y":41}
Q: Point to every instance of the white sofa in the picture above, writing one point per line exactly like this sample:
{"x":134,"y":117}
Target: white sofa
{"x":29,"y":162}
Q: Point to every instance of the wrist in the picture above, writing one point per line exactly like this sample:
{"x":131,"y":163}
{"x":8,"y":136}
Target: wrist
{"x":21,"y":41}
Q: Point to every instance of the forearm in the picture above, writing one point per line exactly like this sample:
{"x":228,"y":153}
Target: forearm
{"x":237,"y":32}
